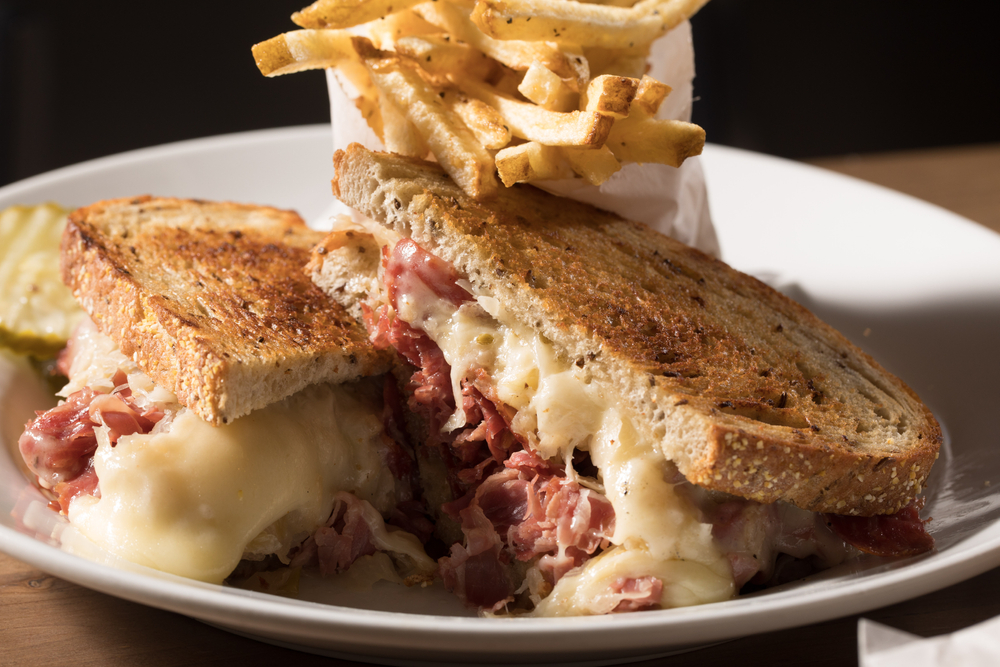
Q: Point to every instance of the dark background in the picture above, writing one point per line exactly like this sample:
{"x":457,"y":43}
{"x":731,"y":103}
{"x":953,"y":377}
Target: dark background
{"x":796,"y":78}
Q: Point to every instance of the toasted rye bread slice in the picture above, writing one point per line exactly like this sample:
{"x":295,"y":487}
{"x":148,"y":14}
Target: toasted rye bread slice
{"x":345,"y":265}
{"x":211,"y":301}
{"x":745,"y":390}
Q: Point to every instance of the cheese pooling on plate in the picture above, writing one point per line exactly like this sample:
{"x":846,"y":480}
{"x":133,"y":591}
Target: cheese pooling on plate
{"x":167,"y":490}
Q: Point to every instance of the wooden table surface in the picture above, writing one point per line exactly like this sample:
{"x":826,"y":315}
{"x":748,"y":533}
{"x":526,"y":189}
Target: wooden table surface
{"x":45,"y":620}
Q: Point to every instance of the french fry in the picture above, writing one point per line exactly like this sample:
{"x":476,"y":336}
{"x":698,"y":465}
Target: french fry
{"x":385,"y":32}
{"x":301,"y":50}
{"x":398,"y":134}
{"x":347,"y":13}
{"x":449,"y":139}
{"x":533,"y":123}
{"x":484,"y":121}
{"x":356,"y":74}
{"x":574,"y":53}
{"x":617,"y":62}
{"x":531,"y":162}
{"x":649,"y":96}
{"x":370,"y":111}
{"x":516,"y":54}
{"x":506,"y":82}
{"x":568,"y":21}
{"x":450,"y":77}
{"x":440,"y":54}
{"x":547,"y":89}
{"x":357,"y":85}
{"x":637,"y":139}
{"x":594,"y":165}
{"x":611,"y":95}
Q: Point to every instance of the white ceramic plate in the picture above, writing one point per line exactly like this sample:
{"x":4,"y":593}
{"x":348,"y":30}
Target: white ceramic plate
{"x":917,"y":287}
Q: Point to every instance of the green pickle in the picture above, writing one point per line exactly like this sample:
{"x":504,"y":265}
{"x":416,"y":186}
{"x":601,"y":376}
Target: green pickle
{"x":37,"y":312}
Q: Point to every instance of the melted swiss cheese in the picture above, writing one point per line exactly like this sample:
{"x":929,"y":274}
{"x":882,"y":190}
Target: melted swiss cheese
{"x":190,"y":500}
{"x":193,"y":499}
{"x":657,"y":532}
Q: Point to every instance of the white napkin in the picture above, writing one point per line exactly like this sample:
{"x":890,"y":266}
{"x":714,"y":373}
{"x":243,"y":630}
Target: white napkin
{"x":882,"y":646}
{"x":671,"y":201}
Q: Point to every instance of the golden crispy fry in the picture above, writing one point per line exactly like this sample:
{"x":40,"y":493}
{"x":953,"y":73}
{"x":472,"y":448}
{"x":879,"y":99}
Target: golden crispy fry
{"x":514,"y":53}
{"x":372,"y":114}
{"x":303,"y":50}
{"x":347,"y":13}
{"x":481,"y":118}
{"x":617,"y":62}
{"x":399,"y":135}
{"x":578,"y":63}
{"x":531,"y":122}
{"x":547,"y":89}
{"x":611,"y":95}
{"x":385,"y":32}
{"x":449,"y":139}
{"x":594,"y":165}
{"x":531,"y":162}
{"x":355,"y":73}
{"x":649,"y":96}
{"x":499,"y":53}
{"x":440,"y":54}
{"x":353,"y":78}
{"x":638,"y":139}
{"x":567,"y":21}
{"x":507,"y":82}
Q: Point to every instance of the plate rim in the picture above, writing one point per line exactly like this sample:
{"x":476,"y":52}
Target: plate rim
{"x":273,"y":135}
{"x":922,"y":575}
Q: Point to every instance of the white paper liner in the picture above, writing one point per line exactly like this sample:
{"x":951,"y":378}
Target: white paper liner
{"x":882,"y":646}
{"x":673,"y":201}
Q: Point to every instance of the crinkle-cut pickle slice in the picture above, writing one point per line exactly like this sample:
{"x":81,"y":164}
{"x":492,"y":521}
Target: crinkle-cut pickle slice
{"x":37,"y":312}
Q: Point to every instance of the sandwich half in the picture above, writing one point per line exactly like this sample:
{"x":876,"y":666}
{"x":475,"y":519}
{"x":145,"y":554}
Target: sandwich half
{"x":610,"y":420}
{"x":219,"y":409}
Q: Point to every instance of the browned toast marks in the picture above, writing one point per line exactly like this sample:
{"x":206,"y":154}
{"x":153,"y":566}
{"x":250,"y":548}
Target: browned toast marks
{"x":211,"y":300}
{"x":748,"y":392}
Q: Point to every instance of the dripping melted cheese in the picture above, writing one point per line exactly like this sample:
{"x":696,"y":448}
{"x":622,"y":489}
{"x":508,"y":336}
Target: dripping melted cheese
{"x":193,"y":499}
{"x":657,"y":532}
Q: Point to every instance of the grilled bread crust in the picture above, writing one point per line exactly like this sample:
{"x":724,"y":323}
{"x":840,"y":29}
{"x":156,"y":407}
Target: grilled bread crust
{"x":744,"y":389}
{"x":211,"y":301}
{"x":345,"y":264}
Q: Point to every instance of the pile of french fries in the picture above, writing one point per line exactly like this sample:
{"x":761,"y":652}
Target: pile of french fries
{"x":528,"y":89}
